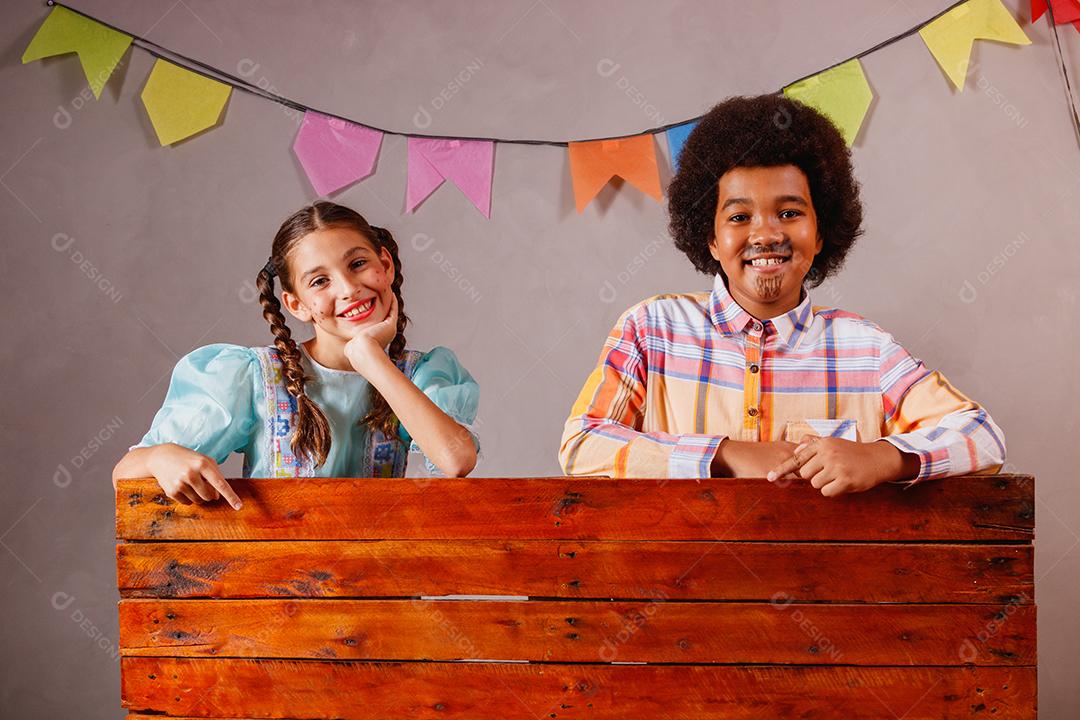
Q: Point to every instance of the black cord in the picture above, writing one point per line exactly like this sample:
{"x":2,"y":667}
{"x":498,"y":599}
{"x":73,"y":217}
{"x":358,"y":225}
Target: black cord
{"x":1070,"y":98}
{"x":213,"y":73}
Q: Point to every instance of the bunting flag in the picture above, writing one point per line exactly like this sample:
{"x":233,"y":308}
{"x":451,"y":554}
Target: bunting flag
{"x":676,"y":139}
{"x":335,"y":152}
{"x":181,"y":103}
{"x":99,"y":47}
{"x":950,"y":37}
{"x":1065,"y":11}
{"x":469,"y":164}
{"x":841,"y":93}
{"x":595,"y":162}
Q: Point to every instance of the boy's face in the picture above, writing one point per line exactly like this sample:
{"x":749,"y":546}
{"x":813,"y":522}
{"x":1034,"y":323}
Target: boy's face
{"x":765,"y":214}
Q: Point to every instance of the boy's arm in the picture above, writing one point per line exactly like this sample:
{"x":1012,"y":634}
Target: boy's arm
{"x":926,"y":416}
{"x":603,"y":434}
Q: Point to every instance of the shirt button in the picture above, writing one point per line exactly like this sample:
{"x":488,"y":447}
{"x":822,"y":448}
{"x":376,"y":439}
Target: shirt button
{"x":754,"y":369}
{"x":757,"y":327}
{"x":752,"y":412}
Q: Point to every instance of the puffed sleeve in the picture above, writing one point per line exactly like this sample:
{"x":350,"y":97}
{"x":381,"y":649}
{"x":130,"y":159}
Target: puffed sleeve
{"x":210,"y":404}
{"x":442,"y":378}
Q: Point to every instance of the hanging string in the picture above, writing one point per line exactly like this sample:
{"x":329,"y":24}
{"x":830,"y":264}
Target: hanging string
{"x":239,"y":83}
{"x":1069,"y":97}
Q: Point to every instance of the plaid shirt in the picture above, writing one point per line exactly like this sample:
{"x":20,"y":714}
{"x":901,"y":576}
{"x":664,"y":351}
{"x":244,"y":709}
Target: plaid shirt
{"x":679,"y":373}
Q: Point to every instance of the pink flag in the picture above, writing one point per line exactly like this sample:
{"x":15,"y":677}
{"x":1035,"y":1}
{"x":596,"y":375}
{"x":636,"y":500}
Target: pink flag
{"x":335,"y":152}
{"x":466,"y":163}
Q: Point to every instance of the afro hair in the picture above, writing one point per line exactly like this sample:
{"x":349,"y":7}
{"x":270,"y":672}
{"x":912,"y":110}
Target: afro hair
{"x":765,"y":131}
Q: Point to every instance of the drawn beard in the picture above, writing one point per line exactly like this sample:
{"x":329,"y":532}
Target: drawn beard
{"x":768,"y":287}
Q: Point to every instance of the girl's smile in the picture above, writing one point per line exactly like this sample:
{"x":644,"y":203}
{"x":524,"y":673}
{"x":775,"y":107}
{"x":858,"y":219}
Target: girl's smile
{"x":341,"y":285}
{"x":360,"y":311}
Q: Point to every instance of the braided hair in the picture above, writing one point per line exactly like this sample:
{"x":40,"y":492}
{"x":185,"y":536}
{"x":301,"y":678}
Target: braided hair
{"x":311,"y":438}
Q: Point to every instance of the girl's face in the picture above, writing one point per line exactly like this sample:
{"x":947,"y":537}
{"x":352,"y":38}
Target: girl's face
{"x":341,"y":283}
{"x":766,"y":237}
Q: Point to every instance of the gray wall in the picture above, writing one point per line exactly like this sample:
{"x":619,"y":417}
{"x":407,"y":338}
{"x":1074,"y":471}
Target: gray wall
{"x":970,"y":256}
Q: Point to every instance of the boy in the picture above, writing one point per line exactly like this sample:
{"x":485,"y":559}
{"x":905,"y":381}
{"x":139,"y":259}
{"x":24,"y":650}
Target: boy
{"x":751,"y":380}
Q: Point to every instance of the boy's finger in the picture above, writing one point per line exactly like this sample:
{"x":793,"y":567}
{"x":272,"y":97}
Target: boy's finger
{"x":811,"y":468}
{"x":798,"y":458}
{"x":821,"y":478}
{"x":783,"y":469}
{"x":789,"y":466}
{"x":834,"y":488}
{"x":214,"y":476}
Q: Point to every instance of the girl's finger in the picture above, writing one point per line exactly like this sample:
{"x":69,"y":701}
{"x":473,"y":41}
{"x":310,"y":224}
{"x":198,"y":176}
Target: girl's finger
{"x":202,"y":488}
{"x":392,"y":311}
{"x":186,"y":496}
{"x":213,"y":475}
{"x":178,"y":496}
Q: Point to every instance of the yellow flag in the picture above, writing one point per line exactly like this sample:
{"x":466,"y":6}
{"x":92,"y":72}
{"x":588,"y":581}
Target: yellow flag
{"x":841,"y":93}
{"x":951,"y":36}
{"x":181,"y":103}
{"x":99,"y":47}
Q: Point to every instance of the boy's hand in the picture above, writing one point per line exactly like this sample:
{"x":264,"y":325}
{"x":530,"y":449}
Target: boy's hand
{"x":189,"y":477}
{"x":836,"y":466}
{"x":741,"y":458}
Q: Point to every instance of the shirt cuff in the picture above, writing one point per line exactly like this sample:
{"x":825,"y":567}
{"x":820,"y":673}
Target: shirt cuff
{"x":931,"y":464}
{"x":692,"y":456}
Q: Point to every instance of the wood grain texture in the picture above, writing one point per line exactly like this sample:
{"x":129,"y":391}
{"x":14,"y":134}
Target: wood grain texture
{"x":833,"y":572}
{"x":228,"y":688}
{"x":973,"y":508}
{"x":746,"y":599}
{"x":562,"y":631}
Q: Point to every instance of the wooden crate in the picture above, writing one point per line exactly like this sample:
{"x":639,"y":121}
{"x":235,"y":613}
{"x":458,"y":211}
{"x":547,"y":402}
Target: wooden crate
{"x":639,"y":599}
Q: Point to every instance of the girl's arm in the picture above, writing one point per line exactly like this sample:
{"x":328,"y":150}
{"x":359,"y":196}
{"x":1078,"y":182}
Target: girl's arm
{"x":446,"y":443}
{"x":185,"y":475}
{"x":207,"y":413}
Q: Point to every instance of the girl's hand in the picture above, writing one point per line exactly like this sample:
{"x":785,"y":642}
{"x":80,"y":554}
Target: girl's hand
{"x":836,"y":466}
{"x":189,"y":477}
{"x":372,"y":341}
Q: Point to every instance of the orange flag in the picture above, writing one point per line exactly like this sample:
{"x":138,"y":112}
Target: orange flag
{"x":594,"y":163}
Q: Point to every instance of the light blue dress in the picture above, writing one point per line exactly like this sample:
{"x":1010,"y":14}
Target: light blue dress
{"x":229,"y":398}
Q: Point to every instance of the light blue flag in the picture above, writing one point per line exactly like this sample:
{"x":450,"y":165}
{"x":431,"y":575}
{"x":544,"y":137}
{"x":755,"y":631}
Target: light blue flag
{"x":676,"y":138}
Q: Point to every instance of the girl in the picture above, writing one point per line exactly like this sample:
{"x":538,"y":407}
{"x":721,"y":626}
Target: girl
{"x":350,"y":402}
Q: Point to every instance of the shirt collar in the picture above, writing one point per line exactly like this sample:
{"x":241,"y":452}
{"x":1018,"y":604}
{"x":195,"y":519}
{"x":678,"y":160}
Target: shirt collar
{"x":730,"y":318}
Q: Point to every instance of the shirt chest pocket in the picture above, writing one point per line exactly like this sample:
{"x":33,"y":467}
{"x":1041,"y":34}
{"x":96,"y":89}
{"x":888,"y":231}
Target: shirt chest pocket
{"x":843,"y":428}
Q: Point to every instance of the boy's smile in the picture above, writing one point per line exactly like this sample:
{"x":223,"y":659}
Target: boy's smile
{"x":765,"y":237}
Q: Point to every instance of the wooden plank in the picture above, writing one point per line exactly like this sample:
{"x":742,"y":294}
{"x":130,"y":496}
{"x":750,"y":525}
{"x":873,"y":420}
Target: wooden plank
{"x":860,"y":572}
{"x":974,"y":508}
{"x":470,"y":691}
{"x":581,"y":631}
